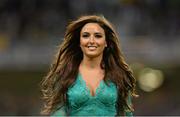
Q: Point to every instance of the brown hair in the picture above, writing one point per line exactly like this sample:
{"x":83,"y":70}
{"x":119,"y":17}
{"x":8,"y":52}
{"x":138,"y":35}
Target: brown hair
{"x":64,"y":69}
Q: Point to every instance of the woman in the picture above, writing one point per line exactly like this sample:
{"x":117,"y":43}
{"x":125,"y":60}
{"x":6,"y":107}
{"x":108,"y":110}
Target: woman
{"x":89,"y":75}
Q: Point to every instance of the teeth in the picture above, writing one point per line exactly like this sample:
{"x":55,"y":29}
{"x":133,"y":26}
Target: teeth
{"x":91,"y":46}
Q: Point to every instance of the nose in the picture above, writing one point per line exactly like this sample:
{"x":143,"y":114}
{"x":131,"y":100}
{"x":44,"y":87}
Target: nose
{"x":91,"y":40}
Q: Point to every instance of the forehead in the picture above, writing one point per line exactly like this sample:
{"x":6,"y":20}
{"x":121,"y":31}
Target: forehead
{"x":92,"y":27}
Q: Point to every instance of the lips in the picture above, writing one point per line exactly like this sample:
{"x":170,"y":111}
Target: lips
{"x":92,"y":47}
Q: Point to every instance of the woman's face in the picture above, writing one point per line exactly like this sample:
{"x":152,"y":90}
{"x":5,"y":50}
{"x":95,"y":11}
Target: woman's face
{"x":92,"y":40}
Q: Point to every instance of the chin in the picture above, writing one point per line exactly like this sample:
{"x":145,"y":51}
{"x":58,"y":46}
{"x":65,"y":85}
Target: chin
{"x":92,"y":55}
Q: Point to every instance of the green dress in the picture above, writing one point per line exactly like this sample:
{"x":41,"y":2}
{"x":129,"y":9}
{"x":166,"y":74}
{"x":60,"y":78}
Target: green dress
{"x":82,"y":103}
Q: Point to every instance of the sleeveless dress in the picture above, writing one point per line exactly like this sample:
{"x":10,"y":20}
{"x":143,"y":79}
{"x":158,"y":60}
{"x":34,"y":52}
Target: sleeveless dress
{"x":82,"y":103}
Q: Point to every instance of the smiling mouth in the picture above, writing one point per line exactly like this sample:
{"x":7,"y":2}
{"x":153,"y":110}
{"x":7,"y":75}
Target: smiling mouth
{"x":92,"y":47}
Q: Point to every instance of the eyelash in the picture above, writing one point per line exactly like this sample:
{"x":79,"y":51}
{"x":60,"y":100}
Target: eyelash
{"x":97,"y":36}
{"x":85,"y":35}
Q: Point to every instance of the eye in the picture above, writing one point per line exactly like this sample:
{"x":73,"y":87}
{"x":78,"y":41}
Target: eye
{"x":85,"y":35}
{"x":98,"y":36}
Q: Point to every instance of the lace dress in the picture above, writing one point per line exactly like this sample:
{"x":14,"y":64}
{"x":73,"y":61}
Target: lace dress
{"x":82,"y":103}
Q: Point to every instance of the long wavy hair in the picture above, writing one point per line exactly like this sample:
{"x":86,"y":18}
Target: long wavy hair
{"x":64,"y":69}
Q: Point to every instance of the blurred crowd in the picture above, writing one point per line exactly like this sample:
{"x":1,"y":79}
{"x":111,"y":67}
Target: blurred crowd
{"x":28,"y":24}
{"x":34,"y":27}
{"x":42,"y":19}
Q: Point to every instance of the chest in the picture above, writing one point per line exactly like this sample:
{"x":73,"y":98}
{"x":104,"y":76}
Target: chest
{"x":79,"y":94}
{"x":92,"y":81}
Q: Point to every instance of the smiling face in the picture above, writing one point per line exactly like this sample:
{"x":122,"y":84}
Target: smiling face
{"x":92,"y":40}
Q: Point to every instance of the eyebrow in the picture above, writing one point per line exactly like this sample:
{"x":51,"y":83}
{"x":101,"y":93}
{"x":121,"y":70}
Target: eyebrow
{"x":95,"y":32}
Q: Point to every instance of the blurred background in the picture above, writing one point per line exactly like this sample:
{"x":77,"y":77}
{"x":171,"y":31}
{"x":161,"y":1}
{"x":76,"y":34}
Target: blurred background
{"x":30,"y":31}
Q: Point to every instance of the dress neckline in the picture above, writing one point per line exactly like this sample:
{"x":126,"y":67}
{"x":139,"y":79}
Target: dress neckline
{"x":96,"y":91}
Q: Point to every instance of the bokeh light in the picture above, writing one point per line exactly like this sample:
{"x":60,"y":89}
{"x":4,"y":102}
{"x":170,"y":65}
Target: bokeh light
{"x":150,"y":79}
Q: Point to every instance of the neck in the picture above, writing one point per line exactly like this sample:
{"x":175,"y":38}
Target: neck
{"x":91,"y":63}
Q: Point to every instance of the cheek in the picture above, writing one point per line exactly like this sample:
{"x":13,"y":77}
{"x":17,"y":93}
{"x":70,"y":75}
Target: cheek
{"x":82,"y":43}
{"x":103,"y":43}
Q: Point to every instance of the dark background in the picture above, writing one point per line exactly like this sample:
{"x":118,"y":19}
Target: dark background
{"x":30,"y":31}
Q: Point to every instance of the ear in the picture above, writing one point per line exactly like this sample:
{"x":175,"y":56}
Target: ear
{"x":80,"y":46}
{"x":105,"y":44}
